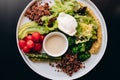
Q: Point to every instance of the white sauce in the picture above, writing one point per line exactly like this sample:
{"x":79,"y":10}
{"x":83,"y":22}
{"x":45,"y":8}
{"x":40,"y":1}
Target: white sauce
{"x":55,"y":44}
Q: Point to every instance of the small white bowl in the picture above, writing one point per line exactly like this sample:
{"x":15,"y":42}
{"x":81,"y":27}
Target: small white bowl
{"x":53,"y":34}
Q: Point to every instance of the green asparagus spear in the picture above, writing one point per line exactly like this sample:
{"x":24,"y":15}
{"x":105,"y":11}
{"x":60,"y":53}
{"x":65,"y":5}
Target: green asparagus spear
{"x":42,"y":57}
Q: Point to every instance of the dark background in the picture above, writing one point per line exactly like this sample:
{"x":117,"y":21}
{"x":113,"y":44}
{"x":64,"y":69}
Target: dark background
{"x":14,"y":68}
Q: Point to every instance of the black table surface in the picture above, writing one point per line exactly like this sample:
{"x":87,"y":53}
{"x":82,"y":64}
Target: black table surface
{"x":13,"y":66}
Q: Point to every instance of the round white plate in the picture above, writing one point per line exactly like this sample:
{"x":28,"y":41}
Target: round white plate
{"x":47,"y":71}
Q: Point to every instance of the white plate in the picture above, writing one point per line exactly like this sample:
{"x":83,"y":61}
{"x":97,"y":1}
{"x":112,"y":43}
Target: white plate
{"x":49,"y":72}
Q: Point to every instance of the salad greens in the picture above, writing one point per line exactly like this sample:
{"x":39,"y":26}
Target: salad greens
{"x":66,"y":6}
{"x":79,"y":44}
{"x":87,"y":28}
{"x":46,"y":20}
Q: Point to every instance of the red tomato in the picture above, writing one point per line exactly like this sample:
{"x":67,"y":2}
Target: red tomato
{"x":37,"y":47}
{"x":42,"y":38}
{"x":26,"y":49}
{"x":29,"y":37}
{"x":36,"y":36}
{"x":30,"y":44}
{"x":22,"y":43}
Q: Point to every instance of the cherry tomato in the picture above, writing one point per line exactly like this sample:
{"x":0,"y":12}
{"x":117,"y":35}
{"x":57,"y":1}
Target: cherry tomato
{"x":30,"y":44}
{"x":26,"y":49}
{"x":38,"y":47}
{"x":22,"y":43}
{"x":42,"y":38}
{"x":36,"y":36}
{"x":29,"y":37}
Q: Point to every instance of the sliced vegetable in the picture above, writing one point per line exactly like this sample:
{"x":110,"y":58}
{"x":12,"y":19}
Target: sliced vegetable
{"x":25,"y":26}
{"x":29,"y":28}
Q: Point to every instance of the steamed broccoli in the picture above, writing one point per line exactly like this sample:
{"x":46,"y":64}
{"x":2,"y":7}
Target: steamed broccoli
{"x":71,"y":41}
{"x":78,"y":48}
{"x":89,"y":44}
{"x":84,"y":56}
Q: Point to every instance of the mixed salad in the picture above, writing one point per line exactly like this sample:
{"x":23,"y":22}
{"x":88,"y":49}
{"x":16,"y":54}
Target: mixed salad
{"x":66,"y":16}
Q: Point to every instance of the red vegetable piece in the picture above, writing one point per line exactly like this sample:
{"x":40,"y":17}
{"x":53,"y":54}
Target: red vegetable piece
{"x":29,"y":37}
{"x":42,"y":38}
{"x":38,"y":47}
{"x":36,"y":36}
{"x":30,"y":44}
{"x":26,"y":49}
{"x":22,"y":43}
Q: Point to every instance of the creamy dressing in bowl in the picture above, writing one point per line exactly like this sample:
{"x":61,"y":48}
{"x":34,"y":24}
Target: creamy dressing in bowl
{"x":55,"y":44}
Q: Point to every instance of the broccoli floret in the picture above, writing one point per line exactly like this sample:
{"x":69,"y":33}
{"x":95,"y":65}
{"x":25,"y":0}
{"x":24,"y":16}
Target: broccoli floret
{"x":89,"y":44}
{"x":71,"y":41}
{"x":84,"y":56}
{"x":78,"y":48}
{"x":75,"y":50}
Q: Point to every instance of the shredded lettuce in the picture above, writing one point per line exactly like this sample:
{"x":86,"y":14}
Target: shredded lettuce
{"x":85,"y":19}
{"x":84,"y":32}
{"x":87,"y":28}
{"x":67,"y":6}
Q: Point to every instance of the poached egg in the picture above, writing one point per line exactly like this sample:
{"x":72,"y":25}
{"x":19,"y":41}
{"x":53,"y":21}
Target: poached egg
{"x":67,"y":23}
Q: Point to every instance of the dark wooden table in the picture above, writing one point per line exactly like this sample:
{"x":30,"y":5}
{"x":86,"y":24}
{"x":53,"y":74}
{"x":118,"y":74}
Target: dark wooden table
{"x":14,"y":68}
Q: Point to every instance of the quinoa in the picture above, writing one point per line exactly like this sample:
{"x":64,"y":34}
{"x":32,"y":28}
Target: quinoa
{"x":69,"y":64}
{"x":36,"y":11}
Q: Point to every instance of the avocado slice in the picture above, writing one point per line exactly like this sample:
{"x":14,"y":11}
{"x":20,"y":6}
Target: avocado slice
{"x":30,"y":30}
{"x":25,"y":26}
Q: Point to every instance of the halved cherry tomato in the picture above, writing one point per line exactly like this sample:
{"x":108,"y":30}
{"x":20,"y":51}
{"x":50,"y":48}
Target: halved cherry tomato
{"x":29,"y":37}
{"x":22,"y":43}
{"x":30,"y":44}
{"x":26,"y":49}
{"x":37,"y":47}
{"x":42,"y":38}
{"x":36,"y":36}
